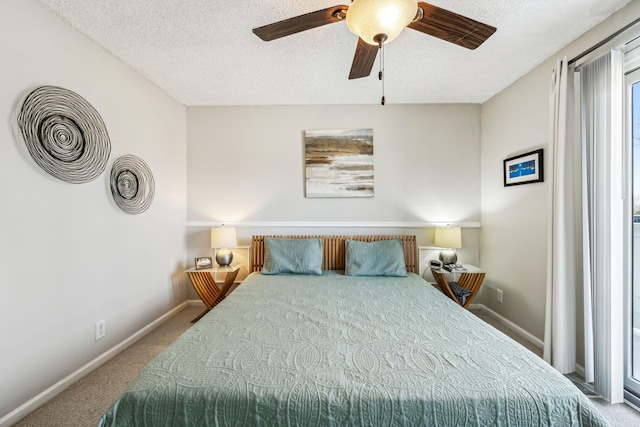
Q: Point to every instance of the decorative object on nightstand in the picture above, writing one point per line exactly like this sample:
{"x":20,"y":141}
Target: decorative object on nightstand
{"x":223,"y":238}
{"x":462,"y":289}
{"x":203,"y":262}
{"x":449,"y":238}
{"x":207,"y":288}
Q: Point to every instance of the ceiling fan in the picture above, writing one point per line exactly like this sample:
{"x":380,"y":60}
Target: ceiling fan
{"x":377,"y":22}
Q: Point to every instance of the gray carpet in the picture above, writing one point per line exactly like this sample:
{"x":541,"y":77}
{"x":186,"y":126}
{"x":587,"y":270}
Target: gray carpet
{"x":619,"y":415}
{"x":84,"y":402}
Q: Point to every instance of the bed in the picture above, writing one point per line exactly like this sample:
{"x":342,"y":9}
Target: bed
{"x":333,"y":349}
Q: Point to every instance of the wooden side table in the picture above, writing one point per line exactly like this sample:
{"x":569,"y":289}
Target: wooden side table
{"x":207,"y":288}
{"x":470,"y":279}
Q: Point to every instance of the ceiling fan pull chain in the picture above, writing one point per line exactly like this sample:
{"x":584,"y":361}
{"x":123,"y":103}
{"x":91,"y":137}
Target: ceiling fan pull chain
{"x":381,"y":72}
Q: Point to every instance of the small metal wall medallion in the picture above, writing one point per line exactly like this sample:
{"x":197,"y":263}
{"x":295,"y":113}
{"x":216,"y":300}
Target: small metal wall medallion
{"x":132,"y":184}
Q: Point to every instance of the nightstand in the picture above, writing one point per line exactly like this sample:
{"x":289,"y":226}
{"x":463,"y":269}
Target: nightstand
{"x":471,"y":279}
{"x":204,"y":283}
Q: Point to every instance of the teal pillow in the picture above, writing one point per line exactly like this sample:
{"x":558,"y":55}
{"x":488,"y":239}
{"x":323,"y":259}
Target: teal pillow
{"x":296,"y":256}
{"x":379,"y":258}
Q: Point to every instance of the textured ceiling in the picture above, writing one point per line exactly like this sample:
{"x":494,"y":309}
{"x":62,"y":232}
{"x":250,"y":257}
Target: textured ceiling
{"x":202,"y":52}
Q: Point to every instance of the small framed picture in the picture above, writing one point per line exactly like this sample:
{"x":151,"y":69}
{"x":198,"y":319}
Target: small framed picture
{"x":203,"y":262}
{"x":524,"y":169}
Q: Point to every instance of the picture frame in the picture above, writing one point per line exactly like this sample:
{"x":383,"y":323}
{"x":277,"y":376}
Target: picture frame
{"x":338,"y":163}
{"x":203,"y":263}
{"x":524,"y":168}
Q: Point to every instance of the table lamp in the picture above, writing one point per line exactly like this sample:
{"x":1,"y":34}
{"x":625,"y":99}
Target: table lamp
{"x":449,"y":238}
{"x":223,"y":238}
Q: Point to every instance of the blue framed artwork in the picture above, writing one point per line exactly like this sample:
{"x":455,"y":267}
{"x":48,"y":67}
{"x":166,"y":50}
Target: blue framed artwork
{"x":524,"y":168}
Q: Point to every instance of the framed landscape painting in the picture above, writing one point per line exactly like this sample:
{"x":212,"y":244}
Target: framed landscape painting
{"x":339,"y":163}
{"x":524,"y":169}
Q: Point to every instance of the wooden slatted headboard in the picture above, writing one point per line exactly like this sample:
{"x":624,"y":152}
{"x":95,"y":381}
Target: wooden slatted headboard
{"x":333,"y":250}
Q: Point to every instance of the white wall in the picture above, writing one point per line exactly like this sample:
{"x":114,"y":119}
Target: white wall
{"x":514,"y":219}
{"x":247,"y":164}
{"x":419,"y":151}
{"x":69,"y":256}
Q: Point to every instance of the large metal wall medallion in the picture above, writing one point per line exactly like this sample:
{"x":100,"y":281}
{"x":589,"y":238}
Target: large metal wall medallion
{"x":132,"y":184}
{"x":64,"y":134}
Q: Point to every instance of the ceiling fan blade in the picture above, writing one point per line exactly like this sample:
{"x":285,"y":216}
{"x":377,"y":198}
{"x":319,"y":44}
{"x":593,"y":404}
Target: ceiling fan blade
{"x":451,"y":27}
{"x":363,"y":60}
{"x":301,"y":23}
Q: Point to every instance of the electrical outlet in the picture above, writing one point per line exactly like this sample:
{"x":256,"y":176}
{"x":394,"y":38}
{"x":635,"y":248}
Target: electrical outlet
{"x":101,"y":329}
{"x":499,"y":295}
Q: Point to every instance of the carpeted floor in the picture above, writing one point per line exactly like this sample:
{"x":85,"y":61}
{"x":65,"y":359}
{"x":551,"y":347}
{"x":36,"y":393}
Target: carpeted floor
{"x":619,"y":415}
{"x":84,"y":402}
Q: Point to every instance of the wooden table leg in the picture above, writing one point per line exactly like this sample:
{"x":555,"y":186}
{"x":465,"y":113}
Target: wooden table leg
{"x":207,"y":289}
{"x":468,"y":280}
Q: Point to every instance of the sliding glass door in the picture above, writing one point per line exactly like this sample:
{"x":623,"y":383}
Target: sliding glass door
{"x":632,"y":363}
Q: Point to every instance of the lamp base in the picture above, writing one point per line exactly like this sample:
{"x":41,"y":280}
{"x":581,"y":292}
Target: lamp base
{"x":224,"y":257}
{"x":447,"y":256}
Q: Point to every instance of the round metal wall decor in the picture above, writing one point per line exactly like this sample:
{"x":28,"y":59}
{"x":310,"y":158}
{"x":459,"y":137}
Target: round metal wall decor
{"x":64,"y":134}
{"x":132,"y":184}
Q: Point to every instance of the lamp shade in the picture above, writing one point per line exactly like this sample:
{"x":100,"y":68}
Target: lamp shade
{"x":448,"y":237}
{"x":368,"y":18}
{"x":223,"y":237}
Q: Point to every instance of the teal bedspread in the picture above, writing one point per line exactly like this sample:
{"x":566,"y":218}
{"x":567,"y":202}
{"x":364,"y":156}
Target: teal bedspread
{"x":333,"y":350}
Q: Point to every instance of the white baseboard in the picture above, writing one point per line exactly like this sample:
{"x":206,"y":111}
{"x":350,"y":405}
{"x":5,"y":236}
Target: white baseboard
{"x":520,"y":331}
{"x":51,"y":392}
{"x":517,"y":329}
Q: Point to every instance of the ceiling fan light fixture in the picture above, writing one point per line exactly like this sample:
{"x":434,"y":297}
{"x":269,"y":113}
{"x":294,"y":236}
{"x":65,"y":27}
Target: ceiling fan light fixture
{"x":370,"y":18}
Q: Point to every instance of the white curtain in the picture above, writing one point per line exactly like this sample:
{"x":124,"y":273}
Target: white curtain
{"x":560,"y":315}
{"x":601,"y":93}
